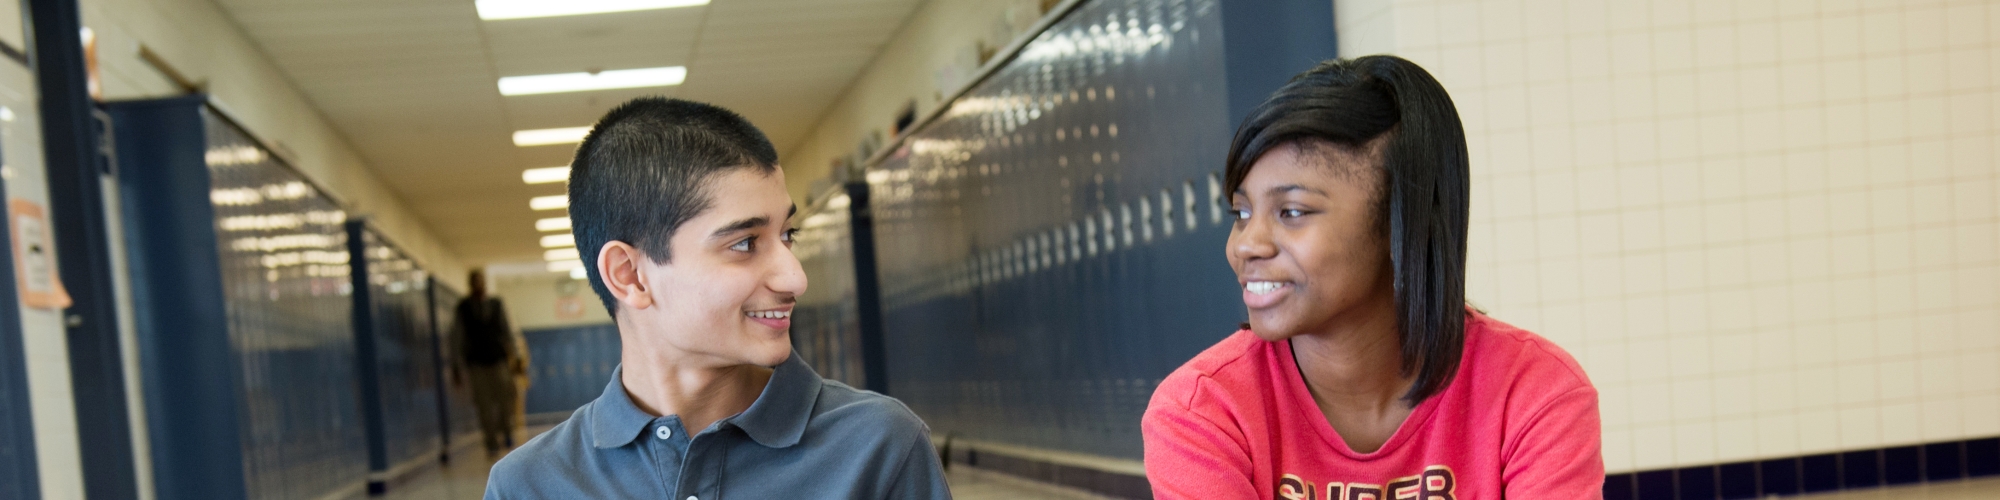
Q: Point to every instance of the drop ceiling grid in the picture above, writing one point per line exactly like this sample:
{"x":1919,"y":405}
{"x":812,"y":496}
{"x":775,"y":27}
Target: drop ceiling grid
{"x":602,"y":42}
{"x":411,"y":84}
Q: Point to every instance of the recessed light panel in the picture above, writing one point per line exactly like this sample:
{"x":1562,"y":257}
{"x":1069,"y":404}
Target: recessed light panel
{"x":494,"y":10}
{"x":545,"y":175}
{"x":547,"y":136}
{"x":552,"y":224}
{"x":560,"y":254}
{"x":552,"y":202}
{"x":558,"y":241}
{"x":602,"y":80}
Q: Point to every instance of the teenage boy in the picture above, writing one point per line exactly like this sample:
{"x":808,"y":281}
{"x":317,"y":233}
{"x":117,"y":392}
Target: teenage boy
{"x":681,"y":215}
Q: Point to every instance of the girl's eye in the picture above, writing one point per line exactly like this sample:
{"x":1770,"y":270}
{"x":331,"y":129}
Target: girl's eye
{"x":1290,"y":213}
{"x":745,"y":244}
{"x":1239,"y":214}
{"x":788,"y":236}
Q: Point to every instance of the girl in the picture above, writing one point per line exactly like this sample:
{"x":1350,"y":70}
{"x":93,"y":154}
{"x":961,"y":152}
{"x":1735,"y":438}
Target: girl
{"x":1362,"y":374}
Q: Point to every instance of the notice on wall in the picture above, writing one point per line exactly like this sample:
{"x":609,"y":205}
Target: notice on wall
{"x":569,"y":307}
{"x":34,"y":256}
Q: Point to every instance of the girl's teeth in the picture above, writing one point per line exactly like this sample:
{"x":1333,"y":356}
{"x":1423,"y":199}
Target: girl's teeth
{"x":1263,"y":287}
{"x":769,"y":314}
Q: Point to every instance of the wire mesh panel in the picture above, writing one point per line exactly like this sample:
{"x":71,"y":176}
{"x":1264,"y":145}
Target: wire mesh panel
{"x":826,"y":325}
{"x":1051,"y":246}
{"x":404,"y":366}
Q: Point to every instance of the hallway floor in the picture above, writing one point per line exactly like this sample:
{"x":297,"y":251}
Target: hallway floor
{"x":465,"y":479}
{"x":1981,"y":489}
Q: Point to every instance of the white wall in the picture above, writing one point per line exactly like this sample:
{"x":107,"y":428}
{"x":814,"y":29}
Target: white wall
{"x":1765,"y":228}
{"x":533,"y":300}
{"x":200,"y":41}
{"x":203,"y":44}
{"x":45,"y":349}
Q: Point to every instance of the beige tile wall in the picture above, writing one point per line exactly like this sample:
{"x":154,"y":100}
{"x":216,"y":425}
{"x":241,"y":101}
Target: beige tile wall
{"x":1765,"y":228}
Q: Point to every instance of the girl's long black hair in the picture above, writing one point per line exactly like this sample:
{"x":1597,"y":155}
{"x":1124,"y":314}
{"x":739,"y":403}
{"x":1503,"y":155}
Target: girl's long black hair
{"x":1422,"y":200}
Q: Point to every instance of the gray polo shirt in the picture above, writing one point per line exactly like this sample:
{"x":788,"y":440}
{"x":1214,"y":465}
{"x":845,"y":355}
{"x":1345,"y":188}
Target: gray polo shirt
{"x":804,"y":437}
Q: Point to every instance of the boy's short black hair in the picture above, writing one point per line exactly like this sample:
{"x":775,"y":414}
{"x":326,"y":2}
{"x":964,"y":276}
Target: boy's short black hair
{"x":1421,"y":204}
{"x":644,"y":170}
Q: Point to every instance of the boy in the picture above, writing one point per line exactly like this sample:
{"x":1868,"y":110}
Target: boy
{"x":681,"y":214}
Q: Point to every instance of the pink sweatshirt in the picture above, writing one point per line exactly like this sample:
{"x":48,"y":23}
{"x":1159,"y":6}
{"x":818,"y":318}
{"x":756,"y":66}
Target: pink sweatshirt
{"x":1519,"y":421}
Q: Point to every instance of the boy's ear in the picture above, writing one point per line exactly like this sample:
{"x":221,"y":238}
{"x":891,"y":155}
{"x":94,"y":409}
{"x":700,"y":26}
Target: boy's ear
{"x":618,"y":265}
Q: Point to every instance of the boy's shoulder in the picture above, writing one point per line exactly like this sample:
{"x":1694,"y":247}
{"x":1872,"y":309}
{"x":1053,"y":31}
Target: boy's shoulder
{"x":840,"y":406}
{"x":544,"y":459}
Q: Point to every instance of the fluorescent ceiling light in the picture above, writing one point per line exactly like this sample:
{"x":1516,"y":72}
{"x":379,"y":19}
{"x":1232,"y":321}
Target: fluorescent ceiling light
{"x":545,"y":175}
{"x":494,"y":10}
{"x":565,"y":265}
{"x":578,"y":272}
{"x":547,"y":136}
{"x":561,"y":254}
{"x":558,"y":240}
{"x":550,"y":202}
{"x":552,"y":224}
{"x":602,"y":80}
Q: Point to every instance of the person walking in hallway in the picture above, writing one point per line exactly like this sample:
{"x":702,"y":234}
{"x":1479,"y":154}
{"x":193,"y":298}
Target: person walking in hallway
{"x":487,"y":353}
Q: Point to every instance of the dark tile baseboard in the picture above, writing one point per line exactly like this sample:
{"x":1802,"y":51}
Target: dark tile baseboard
{"x":1103,"y":482}
{"x":1943,"y":461}
{"x":1930,"y":462}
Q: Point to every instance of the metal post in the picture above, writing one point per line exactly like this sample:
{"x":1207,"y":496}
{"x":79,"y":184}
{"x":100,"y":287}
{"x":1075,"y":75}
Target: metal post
{"x":867,"y":289}
{"x":365,"y":356}
{"x":19,"y":477}
{"x":76,"y":166}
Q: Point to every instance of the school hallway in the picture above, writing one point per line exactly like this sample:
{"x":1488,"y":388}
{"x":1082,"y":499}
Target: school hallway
{"x":271,"y":249}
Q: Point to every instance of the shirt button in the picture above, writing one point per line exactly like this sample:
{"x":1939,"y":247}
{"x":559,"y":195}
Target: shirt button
{"x":663,"y":432}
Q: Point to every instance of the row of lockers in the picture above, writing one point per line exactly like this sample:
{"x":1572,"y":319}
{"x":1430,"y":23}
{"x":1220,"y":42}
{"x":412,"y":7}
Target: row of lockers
{"x":287,"y":350}
{"x":569,"y":367}
{"x":1050,"y":246}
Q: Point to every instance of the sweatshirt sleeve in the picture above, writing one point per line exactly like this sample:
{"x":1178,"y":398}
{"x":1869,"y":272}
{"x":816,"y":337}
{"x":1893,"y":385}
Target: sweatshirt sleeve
{"x":1558,"y":453}
{"x":1189,"y":455}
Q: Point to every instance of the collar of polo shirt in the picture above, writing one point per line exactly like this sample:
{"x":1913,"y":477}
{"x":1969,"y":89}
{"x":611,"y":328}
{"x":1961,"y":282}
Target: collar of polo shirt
{"x":777,"y":419}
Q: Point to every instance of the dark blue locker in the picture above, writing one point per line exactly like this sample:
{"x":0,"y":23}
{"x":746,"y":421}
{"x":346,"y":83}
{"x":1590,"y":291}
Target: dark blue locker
{"x":395,"y":357}
{"x":826,"y":322}
{"x":570,"y":366}
{"x":1051,"y":245}
{"x":18,"y":473}
{"x":1061,"y":186}
{"x":240,"y":293}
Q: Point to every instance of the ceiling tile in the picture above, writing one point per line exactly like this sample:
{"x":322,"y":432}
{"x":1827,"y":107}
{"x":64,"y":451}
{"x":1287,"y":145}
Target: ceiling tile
{"x":411,"y":85}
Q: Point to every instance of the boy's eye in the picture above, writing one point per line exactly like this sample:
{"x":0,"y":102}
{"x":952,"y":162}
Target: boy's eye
{"x":1239,"y":214}
{"x":745,"y":244}
{"x":1290,"y":213}
{"x":789,"y":235}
